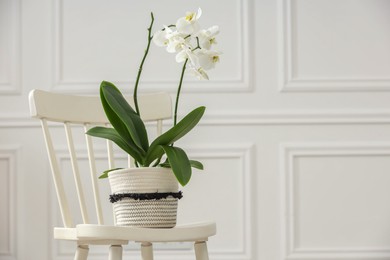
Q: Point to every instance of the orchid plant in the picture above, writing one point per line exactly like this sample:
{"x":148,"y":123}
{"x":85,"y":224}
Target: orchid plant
{"x":192,"y":46}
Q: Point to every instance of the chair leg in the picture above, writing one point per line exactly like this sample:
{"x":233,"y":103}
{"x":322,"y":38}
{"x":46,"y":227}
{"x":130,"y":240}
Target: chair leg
{"x":81,"y":252}
{"x":147,"y":251}
{"x":201,"y":250}
{"x":115,"y":252}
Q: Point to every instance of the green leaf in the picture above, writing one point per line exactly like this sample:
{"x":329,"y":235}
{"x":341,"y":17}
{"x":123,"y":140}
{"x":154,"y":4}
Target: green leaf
{"x":118,"y":108}
{"x":179,"y":162}
{"x":194,"y":164}
{"x":115,"y":121}
{"x":174,"y":134}
{"x":105,"y":173}
{"x":112,"y":134}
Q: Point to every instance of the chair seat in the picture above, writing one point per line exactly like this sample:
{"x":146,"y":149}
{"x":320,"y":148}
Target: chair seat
{"x":189,"y":232}
{"x":71,"y":234}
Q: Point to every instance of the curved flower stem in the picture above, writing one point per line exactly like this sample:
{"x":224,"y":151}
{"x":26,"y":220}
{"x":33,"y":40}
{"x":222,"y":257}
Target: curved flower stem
{"x":141,"y":66}
{"x":198,"y":46}
{"x":169,"y":26}
{"x":178,"y":92}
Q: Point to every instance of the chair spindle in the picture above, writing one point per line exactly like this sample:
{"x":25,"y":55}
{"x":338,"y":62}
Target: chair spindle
{"x":159,"y":127}
{"x":76,"y":173}
{"x":58,"y":183}
{"x":95,"y":186}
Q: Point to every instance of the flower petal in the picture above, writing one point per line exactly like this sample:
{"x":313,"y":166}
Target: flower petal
{"x":160,"y":39}
{"x":189,"y":24}
{"x":198,"y":72}
{"x":207,"y":59}
{"x":214,"y":30}
{"x":181,"y":56}
{"x":184,"y":26}
{"x":199,"y":13}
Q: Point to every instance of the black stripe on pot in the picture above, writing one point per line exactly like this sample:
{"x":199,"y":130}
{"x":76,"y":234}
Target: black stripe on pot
{"x":145,"y":196}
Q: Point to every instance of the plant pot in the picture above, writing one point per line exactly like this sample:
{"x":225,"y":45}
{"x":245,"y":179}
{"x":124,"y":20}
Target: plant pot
{"x":144,"y":197}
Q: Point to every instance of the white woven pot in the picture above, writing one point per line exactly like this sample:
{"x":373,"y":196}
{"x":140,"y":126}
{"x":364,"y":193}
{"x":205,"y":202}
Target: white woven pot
{"x":155,"y":213}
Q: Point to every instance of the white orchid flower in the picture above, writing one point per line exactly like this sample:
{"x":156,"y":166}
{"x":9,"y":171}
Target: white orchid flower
{"x":172,"y":40}
{"x":189,"y":24}
{"x":185,"y":54}
{"x":198,"y":59}
{"x":207,"y":37}
{"x":198,"y":72}
{"x":181,"y":56}
{"x":176,"y":42}
{"x":160,"y":38}
{"x":207,"y":59}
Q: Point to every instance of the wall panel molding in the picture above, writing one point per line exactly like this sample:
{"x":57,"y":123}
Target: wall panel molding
{"x":244,"y":118}
{"x":244,"y":153}
{"x":11,"y":155}
{"x":12,"y":82}
{"x":241,"y":84}
{"x":289,"y":152}
{"x":288,"y":82}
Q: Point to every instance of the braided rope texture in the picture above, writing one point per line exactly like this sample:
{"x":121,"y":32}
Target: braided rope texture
{"x":155,"y":213}
{"x":146,"y":213}
{"x":143,"y":180}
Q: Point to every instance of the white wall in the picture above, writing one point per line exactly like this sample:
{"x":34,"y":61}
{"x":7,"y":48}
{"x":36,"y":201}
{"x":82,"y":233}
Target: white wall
{"x":296,"y":139}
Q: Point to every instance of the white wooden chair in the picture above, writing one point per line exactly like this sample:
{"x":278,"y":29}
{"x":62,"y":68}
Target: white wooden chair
{"x":85,"y":111}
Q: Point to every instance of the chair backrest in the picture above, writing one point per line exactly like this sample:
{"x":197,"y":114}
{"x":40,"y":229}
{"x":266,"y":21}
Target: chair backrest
{"x":83,"y":112}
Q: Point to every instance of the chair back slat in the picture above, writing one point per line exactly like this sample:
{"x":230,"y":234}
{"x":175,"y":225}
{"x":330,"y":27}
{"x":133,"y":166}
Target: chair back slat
{"x":58,"y":183}
{"x":110,"y":155}
{"x":76,"y":174}
{"x":81,"y":113}
{"x":159,"y":127}
{"x":93,"y":172}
